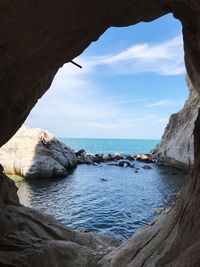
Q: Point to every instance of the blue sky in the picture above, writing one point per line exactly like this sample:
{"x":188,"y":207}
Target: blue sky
{"x":132,"y":80}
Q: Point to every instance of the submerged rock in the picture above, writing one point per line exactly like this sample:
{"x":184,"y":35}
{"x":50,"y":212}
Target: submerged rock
{"x":146,"y":167}
{"x":122,"y":163}
{"x":35,"y":153}
{"x":103,"y":179}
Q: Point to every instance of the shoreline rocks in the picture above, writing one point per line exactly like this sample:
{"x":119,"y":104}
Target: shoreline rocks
{"x":35,"y":153}
{"x":115,"y":159}
{"x":84,"y":158}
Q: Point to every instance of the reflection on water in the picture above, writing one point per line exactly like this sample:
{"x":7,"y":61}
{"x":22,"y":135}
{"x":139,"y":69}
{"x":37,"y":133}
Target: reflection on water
{"x":108,"y":199}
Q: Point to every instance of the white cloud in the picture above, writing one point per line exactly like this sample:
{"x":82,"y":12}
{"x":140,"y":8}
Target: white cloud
{"x":164,"y":102}
{"x":165,"y":58}
{"x":160,"y":103}
{"x":76,"y":106}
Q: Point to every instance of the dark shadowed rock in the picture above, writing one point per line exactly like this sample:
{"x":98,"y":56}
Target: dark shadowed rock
{"x":124,"y":163}
{"x":130,"y":157}
{"x":117,"y":156}
{"x":103,"y":179}
{"x":80,"y":152}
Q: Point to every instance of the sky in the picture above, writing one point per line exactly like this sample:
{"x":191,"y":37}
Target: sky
{"x":132,"y":80}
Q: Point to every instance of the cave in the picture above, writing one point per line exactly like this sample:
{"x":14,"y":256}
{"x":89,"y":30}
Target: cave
{"x":37,"y":38}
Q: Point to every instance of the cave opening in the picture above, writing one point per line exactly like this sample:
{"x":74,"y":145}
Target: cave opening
{"x":173,"y":239}
{"x":154,"y":88}
{"x":130,"y":74}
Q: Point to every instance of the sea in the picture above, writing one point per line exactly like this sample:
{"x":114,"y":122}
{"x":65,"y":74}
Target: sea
{"x":103,"y":145}
{"x":104,"y":198}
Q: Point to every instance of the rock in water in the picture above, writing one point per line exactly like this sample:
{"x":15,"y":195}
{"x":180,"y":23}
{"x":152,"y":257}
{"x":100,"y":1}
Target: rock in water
{"x":117,"y":156}
{"x":80,"y":152}
{"x":103,"y":179}
{"x":130,"y":157}
{"x":146,"y":167}
{"x":35,"y":153}
{"x":144,"y":158}
{"x":124,"y":163}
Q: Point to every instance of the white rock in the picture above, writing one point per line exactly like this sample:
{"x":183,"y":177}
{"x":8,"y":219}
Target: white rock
{"x":177,"y":143}
{"x":33,"y":152}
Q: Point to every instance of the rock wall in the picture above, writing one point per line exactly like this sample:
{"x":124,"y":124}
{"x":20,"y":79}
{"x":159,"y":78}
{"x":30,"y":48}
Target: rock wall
{"x":177,"y":143}
{"x":36,"y":39}
{"x":35,"y":153}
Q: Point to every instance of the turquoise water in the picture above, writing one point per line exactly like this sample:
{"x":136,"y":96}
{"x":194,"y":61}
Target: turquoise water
{"x":107,"y":199}
{"x":123,"y":146}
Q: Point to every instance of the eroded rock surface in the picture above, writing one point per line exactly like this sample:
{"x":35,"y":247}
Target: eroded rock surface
{"x":36,"y":39}
{"x":177,"y":144}
{"x":35,"y":153}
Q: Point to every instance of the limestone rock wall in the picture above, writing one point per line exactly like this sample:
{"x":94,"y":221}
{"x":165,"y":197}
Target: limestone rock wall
{"x":177,"y":143}
{"x":35,"y":153}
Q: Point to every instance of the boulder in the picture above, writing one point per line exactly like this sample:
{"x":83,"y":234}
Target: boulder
{"x":86,"y":159}
{"x":130,"y":157}
{"x":124,"y":163}
{"x":144,"y":158}
{"x":35,"y":153}
{"x":98,"y":158}
{"x":106,"y":157}
{"x":117,"y":156}
{"x":80,"y":152}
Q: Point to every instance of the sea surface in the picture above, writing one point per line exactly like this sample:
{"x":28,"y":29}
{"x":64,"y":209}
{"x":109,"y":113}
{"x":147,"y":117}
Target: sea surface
{"x":110,"y":200}
{"x":123,"y":146}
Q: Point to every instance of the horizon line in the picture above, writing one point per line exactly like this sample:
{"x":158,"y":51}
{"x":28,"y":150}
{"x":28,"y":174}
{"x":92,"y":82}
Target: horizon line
{"x":112,"y":138}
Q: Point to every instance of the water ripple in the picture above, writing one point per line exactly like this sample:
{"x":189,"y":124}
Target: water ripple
{"x":117,"y":207}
